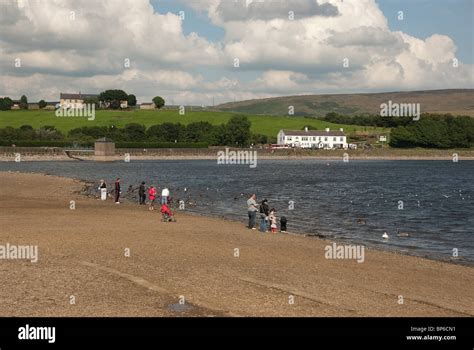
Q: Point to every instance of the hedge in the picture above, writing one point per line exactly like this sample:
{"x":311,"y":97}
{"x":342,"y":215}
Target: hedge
{"x":45,"y":143}
{"x":161,"y":145}
{"x":79,"y":144}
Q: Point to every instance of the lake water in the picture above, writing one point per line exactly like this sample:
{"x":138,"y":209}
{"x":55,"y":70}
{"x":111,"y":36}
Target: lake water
{"x":328,"y":196}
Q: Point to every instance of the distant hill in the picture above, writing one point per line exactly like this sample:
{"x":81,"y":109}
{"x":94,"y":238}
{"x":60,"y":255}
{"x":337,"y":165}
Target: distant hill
{"x":454,"y":101}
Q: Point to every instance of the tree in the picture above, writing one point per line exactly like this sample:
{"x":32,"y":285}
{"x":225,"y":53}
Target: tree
{"x":6,"y":104}
{"x":258,"y":139}
{"x":198,"y":132}
{"x":26,"y":132}
{"x":135,"y":132}
{"x":42,"y":104}
{"x":238,"y":128}
{"x":92,"y":101}
{"x":158,"y":101}
{"x":23,"y":102}
{"x":112,"y":98}
{"x":132,"y":100}
{"x":114,"y":104}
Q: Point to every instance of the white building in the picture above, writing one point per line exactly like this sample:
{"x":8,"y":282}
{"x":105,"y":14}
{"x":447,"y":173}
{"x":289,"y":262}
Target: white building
{"x":325,"y":139}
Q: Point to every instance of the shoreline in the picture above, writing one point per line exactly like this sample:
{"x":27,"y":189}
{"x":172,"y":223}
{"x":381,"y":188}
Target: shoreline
{"x":58,"y":154}
{"x":459,"y":261}
{"x":42,"y":158}
{"x":81,"y":253}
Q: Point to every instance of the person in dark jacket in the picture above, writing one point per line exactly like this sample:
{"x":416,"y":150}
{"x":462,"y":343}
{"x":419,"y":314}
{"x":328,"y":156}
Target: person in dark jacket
{"x":264,"y":212}
{"x":142,"y":193}
{"x":117,"y":191}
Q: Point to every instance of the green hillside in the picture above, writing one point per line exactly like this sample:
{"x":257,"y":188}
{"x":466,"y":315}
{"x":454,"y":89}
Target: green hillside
{"x":267,"y":125}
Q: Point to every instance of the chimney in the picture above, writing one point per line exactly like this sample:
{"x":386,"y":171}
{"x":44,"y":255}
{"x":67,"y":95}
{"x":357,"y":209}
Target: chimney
{"x":306,"y":128}
{"x":327,"y":129}
{"x":342,"y":130}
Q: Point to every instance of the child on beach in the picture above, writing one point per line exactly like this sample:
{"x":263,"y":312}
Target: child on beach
{"x":273,"y":220}
{"x":167,"y":214}
{"x":152,"y":196}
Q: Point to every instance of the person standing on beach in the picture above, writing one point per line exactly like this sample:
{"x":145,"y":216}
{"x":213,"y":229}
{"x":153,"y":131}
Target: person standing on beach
{"x":152,"y":197}
{"x":103,"y":190}
{"x":252,"y":210}
{"x":165,"y":195}
{"x":117,"y":191}
{"x":264,"y":212}
{"x":141,"y":193}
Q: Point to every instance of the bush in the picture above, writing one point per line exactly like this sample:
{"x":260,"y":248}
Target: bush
{"x":43,"y":143}
{"x":161,"y":145}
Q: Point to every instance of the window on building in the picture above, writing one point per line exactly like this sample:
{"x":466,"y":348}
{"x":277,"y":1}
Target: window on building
{"x":342,"y":139}
{"x":334,"y":138}
{"x":325,"y":139}
{"x":288,"y":138}
{"x":304,"y":138}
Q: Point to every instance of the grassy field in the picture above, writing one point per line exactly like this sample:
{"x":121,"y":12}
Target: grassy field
{"x":267,"y":125}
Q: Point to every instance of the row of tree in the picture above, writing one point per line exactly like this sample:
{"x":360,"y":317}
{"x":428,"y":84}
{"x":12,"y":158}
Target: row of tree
{"x":26,"y":132}
{"x":367,"y":120}
{"x":236,"y":132}
{"x":6,"y":103}
{"x":435,"y":131}
{"x":109,"y":99}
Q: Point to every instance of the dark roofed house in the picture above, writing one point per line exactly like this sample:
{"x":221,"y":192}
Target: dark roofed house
{"x":326,"y":139}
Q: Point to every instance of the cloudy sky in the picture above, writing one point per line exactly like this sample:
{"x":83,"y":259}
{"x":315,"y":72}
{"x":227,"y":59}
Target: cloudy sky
{"x":216,"y":51}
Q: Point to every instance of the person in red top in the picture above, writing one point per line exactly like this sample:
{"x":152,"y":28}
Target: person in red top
{"x":166,"y":213}
{"x":152,"y":196}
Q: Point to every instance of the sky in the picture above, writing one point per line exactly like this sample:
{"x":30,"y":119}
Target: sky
{"x":206,"y":52}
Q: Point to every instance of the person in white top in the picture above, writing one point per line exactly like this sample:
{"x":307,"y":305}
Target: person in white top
{"x":165,"y":196}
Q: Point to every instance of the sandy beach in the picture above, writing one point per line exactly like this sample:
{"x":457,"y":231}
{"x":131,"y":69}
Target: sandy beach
{"x":102,"y":259}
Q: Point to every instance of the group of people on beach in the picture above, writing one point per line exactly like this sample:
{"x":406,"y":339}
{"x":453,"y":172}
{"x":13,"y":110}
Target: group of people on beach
{"x":268,"y":217}
{"x":165,"y":198}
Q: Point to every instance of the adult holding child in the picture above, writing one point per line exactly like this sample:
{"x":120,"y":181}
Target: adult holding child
{"x":252,"y":209}
{"x":264,"y":212}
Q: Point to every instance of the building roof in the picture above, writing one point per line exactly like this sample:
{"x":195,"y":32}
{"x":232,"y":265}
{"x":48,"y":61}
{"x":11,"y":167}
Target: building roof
{"x":79,"y":96}
{"x":104,"y":139}
{"x":314,"y":133}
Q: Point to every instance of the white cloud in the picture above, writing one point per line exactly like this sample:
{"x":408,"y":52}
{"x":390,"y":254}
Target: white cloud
{"x":85,"y":50}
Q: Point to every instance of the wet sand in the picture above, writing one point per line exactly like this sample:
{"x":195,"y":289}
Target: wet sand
{"x":83,"y":270}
